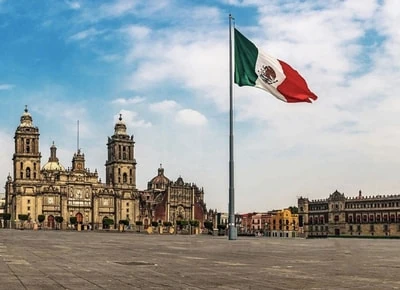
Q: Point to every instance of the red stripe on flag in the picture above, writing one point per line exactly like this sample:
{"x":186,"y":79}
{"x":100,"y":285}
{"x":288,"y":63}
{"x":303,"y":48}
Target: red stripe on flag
{"x":294,"y":88}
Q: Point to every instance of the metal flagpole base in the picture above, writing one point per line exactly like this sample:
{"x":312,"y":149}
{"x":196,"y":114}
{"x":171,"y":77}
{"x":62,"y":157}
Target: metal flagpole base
{"x":232,"y":232}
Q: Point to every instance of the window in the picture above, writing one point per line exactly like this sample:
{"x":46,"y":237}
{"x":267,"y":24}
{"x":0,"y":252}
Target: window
{"x":351,"y":228}
{"x":29,"y":208}
{"x":125,"y":178}
{"x":34,"y":166}
{"x":336,"y":218}
{"x":127,"y":210}
{"x":358,"y":228}
{"x":21,"y":165}
{"x":371,"y":228}
{"x":22,"y":175}
{"x":28,"y":173}
{"x":127,"y":204}
{"x":385,"y":228}
{"x":365,"y":218}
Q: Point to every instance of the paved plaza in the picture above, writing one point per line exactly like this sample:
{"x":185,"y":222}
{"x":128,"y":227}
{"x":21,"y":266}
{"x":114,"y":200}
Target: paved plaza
{"x":112,"y":260}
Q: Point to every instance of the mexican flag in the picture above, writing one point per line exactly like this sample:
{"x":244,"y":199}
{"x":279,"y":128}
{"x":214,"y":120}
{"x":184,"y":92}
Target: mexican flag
{"x":258,"y":69}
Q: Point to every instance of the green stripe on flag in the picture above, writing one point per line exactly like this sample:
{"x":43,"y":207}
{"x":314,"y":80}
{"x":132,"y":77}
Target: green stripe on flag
{"x":246,"y":54}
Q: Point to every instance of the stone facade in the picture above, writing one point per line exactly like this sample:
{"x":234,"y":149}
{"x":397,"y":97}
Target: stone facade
{"x":53,"y":190}
{"x":276,"y":223}
{"x":172,"y":201}
{"x":282,"y":223}
{"x":339,"y":215}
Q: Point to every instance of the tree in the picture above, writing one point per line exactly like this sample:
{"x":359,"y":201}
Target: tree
{"x":221,"y":229}
{"x":194,"y":223}
{"x":209,"y":225}
{"x":124,"y":222}
{"x":139,"y":224}
{"x":294,"y":209}
{"x":23,"y":218}
{"x":154,"y":224}
{"x":73,"y":220}
{"x":167,"y":224}
{"x":59,"y":220}
{"x":107,"y":222}
{"x":6,"y":217}
{"x":41,"y":218}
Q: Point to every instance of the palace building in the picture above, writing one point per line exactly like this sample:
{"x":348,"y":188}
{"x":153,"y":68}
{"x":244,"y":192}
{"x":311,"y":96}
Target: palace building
{"x":53,"y":190}
{"x":339,"y":215}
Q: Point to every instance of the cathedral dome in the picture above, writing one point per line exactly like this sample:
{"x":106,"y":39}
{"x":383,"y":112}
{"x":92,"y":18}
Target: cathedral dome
{"x":120,"y":127}
{"x":26,"y":119}
{"x":53,"y":164}
{"x":160,"y":181}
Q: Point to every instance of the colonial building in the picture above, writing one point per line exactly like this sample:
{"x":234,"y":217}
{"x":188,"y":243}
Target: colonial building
{"x":276,"y":223}
{"x":172,"y":201}
{"x":282,"y":223}
{"x":53,"y":190}
{"x":339,"y":215}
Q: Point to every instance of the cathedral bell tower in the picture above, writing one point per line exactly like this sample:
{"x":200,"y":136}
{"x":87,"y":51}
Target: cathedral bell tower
{"x":78,"y":162}
{"x":121,"y":162}
{"x":26,"y":159}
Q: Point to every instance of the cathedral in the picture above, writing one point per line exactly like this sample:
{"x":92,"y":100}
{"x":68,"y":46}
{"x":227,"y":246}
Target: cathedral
{"x":54,"y":191}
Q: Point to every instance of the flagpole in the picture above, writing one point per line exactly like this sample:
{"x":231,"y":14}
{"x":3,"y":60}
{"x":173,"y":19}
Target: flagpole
{"x":232,"y":227}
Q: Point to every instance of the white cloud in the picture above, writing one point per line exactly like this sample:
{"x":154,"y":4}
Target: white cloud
{"x":190,"y":117}
{"x":118,"y":8}
{"x":110,"y":57}
{"x":73,"y":5}
{"x":130,"y":118}
{"x":5,"y":87}
{"x":86,"y":34}
{"x":164,"y":106}
{"x":7,"y":150}
{"x":136,"y":31}
{"x":134,"y":100}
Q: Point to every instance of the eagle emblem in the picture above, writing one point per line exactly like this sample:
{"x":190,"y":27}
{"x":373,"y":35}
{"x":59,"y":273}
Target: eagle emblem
{"x":267,"y":74}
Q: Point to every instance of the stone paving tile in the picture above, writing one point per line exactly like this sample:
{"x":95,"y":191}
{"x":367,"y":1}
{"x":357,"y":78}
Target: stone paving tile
{"x":111,"y":260}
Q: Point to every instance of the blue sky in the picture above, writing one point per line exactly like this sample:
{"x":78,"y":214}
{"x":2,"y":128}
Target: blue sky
{"x":164,"y":66}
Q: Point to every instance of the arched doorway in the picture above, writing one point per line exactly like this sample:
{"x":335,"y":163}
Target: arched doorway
{"x":50,"y":222}
{"x":79,"y":218}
